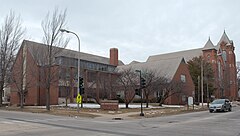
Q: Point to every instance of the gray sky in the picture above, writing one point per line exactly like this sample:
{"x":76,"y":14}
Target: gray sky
{"x":138,"y":28}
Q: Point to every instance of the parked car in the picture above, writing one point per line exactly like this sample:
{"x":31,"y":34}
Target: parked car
{"x":220,"y":105}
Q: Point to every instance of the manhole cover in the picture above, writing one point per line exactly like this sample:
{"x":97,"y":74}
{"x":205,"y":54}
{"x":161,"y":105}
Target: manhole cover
{"x":117,"y":118}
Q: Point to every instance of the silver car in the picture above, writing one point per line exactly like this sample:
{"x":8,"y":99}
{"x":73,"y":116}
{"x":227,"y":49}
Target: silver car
{"x":220,"y":105}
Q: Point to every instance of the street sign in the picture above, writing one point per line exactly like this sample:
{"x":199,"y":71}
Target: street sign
{"x":190,"y":100}
{"x":79,"y":98}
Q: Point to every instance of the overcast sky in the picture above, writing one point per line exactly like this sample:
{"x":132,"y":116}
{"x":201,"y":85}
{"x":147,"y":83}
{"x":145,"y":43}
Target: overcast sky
{"x":138,"y":28}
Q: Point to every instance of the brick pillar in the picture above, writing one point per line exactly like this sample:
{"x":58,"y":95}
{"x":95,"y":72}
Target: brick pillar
{"x":114,"y":56}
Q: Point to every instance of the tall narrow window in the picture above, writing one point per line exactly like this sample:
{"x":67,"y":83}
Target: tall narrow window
{"x":183,"y":78}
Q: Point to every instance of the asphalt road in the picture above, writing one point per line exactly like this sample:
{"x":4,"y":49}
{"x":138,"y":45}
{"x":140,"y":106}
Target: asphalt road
{"x":190,"y":124}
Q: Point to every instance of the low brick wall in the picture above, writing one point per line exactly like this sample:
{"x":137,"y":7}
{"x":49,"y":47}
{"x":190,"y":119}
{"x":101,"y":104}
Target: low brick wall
{"x":109,"y":104}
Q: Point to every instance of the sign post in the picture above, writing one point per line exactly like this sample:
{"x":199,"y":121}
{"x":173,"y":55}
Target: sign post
{"x":79,"y":100}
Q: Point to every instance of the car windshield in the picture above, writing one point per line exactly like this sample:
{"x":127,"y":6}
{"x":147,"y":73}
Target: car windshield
{"x":219,"y":101}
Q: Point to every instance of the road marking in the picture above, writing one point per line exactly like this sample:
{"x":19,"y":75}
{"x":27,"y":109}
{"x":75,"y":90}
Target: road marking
{"x":75,"y":127}
{"x":12,"y":122}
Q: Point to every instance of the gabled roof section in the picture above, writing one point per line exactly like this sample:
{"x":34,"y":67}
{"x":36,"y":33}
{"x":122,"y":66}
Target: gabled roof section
{"x":134,"y":62}
{"x":39,"y":50}
{"x":209,"y":45}
{"x":224,"y":38}
{"x":164,"y":67}
{"x":187,"y":55}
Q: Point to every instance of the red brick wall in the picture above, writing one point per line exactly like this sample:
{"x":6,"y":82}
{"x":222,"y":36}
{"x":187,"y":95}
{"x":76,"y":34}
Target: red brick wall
{"x":31,"y":79}
{"x":36,"y":92}
{"x":232,"y":71}
{"x":228,"y":71}
{"x":188,"y":86}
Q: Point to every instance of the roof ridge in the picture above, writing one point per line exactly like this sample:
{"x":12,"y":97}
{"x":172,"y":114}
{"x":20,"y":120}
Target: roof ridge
{"x":165,"y":67}
{"x":66,"y":52}
{"x":224,"y":38}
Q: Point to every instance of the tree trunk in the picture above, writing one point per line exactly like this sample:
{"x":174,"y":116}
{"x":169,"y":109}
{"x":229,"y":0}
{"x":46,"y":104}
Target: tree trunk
{"x":161,"y":102}
{"x":1,"y":95}
{"x":21,"y":100}
{"x":66,"y":101}
{"x":126,"y":105}
{"x":147,"y":101}
{"x":48,"y":99}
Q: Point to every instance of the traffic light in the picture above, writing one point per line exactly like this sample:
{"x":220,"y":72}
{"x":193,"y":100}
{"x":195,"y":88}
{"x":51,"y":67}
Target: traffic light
{"x":143,"y":83}
{"x":80,"y":82}
{"x":137,"y":91}
{"x":81,"y":86}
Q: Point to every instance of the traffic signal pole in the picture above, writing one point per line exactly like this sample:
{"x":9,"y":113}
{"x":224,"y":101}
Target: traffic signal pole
{"x":81,"y":89}
{"x":142,"y":82}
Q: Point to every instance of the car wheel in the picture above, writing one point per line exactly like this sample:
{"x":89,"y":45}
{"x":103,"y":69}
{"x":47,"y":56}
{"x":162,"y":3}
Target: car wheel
{"x":230,"y":109}
{"x":210,"y":111}
{"x":224,"y":109}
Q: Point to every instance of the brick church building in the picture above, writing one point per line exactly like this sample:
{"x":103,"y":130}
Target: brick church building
{"x":223,"y":60}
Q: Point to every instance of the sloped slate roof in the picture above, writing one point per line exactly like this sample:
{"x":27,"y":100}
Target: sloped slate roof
{"x":39,"y":50}
{"x":224,"y":38}
{"x":208,"y":45}
{"x":163,"y":67}
{"x":187,"y":55}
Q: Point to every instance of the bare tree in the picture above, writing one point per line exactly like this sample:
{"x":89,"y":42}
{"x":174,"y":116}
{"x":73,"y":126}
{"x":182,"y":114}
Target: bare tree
{"x":128,"y":81}
{"x":153,"y":82}
{"x":20,"y":76}
{"x":52,"y":38}
{"x":169,"y":88}
{"x":108,"y":86}
{"x":11,"y":33}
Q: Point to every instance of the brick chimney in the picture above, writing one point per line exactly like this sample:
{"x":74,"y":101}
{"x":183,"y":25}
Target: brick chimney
{"x":114,"y":56}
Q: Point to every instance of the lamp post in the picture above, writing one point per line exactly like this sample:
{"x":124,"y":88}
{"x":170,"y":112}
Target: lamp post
{"x":141,"y":92}
{"x":78,"y":72}
{"x":202,"y":80}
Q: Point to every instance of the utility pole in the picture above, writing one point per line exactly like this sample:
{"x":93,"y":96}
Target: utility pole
{"x":142,"y":85}
{"x":202,"y":80}
{"x":199,"y":89}
{"x":207,"y":94}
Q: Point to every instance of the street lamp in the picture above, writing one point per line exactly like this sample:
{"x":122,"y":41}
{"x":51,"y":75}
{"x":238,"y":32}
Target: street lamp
{"x":78,"y":72}
{"x":141,"y":92}
{"x":202,"y":80}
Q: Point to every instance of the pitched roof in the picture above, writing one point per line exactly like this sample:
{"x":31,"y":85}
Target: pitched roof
{"x":134,"y":62}
{"x":224,"y":38}
{"x":187,"y":55}
{"x":208,"y":45}
{"x":163,"y":67}
{"x":39,"y":50}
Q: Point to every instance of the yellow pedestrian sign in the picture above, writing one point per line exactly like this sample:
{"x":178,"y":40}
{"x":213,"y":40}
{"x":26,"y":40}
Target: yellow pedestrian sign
{"x":79,"y":98}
